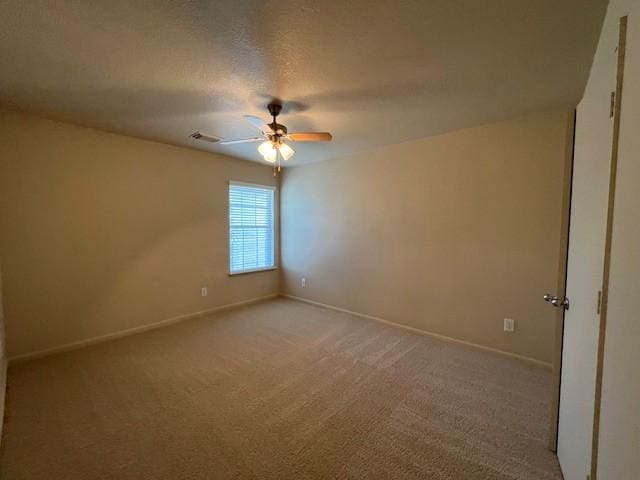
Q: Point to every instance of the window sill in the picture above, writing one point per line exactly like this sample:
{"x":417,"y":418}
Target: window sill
{"x":255,"y":270}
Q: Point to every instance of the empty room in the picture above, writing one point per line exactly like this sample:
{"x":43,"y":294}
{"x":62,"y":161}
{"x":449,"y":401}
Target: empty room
{"x":293,"y":240}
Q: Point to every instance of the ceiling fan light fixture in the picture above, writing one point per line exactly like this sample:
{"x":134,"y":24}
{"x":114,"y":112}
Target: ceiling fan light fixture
{"x":286,"y":151}
{"x":273,"y":148}
{"x":268,"y":151}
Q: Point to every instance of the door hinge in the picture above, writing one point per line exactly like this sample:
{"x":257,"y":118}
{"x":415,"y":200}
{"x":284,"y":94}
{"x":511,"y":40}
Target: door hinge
{"x":612,"y":105}
{"x":599,"y":301}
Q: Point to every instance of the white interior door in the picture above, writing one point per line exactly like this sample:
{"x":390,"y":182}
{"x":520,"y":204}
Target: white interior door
{"x":589,"y":201}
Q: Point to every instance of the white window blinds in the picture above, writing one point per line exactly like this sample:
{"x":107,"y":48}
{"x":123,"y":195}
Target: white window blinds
{"x":251,"y":228}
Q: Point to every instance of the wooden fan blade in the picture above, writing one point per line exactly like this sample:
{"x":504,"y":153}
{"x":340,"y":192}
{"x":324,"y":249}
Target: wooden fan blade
{"x":258,"y":123}
{"x":310,"y":137}
{"x":242,"y":140}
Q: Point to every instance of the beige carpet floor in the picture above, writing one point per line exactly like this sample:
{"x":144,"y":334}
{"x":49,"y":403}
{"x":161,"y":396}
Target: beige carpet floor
{"x":277,"y":390}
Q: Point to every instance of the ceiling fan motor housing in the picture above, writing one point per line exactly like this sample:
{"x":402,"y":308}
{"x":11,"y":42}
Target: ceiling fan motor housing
{"x":274,"y":109}
{"x":278,"y":129}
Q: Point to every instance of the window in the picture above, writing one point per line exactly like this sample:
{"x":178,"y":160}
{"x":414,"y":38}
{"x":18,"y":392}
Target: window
{"x":251,"y":228}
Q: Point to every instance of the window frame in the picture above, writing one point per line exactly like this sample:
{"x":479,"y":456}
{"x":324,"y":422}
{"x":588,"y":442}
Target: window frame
{"x":274,"y":230}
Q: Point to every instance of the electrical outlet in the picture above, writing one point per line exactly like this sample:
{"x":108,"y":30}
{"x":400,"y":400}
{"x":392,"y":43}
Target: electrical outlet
{"x":203,"y":291}
{"x":303,"y":282}
{"x":509,"y":325}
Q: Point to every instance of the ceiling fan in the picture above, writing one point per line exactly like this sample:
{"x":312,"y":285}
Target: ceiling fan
{"x":274,"y":137}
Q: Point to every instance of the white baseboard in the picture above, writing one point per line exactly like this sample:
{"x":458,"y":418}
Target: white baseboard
{"x":130,"y":331}
{"x":422,"y":332}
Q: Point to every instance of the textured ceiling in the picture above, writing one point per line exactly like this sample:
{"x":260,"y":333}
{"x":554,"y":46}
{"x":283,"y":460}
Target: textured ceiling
{"x":371,"y":72}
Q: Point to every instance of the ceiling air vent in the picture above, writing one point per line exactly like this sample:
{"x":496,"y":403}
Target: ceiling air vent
{"x":205,"y":137}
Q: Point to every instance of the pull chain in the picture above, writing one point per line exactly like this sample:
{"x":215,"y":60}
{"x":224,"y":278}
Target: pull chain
{"x":279,"y":158}
{"x":277,"y":167}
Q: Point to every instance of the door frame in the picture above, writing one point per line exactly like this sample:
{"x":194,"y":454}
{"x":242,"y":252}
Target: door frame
{"x":617,"y":108}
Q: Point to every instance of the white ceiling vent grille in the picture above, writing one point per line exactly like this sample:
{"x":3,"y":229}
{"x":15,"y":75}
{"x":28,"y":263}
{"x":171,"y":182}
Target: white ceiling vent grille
{"x":205,"y":137}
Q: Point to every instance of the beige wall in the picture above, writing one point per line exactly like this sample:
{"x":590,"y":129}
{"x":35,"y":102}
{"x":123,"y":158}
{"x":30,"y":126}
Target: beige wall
{"x":450,"y":234}
{"x":100,"y":233}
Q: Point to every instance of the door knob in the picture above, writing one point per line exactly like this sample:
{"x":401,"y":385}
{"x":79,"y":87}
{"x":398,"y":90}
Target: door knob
{"x":555,"y":301}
